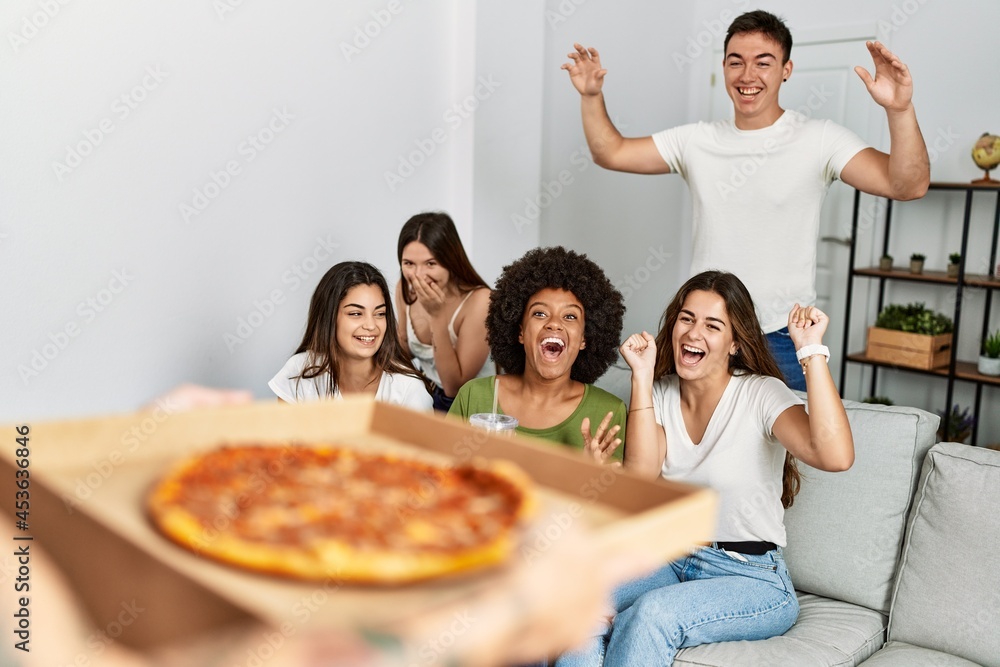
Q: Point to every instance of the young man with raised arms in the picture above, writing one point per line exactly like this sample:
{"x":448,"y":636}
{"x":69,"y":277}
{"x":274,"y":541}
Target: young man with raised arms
{"x":764,"y":228}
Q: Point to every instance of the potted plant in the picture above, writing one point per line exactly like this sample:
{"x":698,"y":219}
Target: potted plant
{"x":957,"y":425}
{"x":917,"y":263}
{"x":989,"y":360}
{"x":954,"y":259}
{"x":911,"y":336}
{"x":885,"y":263}
{"x":878,"y":400}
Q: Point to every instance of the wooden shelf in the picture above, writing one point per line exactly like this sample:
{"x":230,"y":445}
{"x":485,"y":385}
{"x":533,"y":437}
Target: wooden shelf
{"x":939,"y":277}
{"x":965,"y":186}
{"x":964,"y":370}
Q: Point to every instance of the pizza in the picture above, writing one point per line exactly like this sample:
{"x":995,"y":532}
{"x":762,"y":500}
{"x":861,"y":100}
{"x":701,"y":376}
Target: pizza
{"x":333,"y":512}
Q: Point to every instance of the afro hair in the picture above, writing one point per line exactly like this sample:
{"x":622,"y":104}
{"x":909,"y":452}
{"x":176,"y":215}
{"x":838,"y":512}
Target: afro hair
{"x":556,"y":268}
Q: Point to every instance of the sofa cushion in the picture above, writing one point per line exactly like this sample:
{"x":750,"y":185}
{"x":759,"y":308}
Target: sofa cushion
{"x":899,"y":654}
{"x":828,"y":633}
{"x":845,"y":529}
{"x":946,"y":596}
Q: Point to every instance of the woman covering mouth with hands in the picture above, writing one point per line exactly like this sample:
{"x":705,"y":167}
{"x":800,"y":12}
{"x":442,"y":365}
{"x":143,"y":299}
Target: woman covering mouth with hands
{"x":442,"y":304}
{"x":553,"y":326}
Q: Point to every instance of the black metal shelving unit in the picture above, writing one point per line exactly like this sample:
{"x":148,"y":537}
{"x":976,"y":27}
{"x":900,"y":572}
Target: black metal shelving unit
{"x":956,"y":369}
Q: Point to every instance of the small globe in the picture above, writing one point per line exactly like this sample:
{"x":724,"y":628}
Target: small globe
{"x":986,"y":152}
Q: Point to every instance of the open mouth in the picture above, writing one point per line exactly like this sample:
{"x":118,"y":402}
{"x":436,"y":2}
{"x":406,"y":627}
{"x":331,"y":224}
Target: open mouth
{"x":551,"y":348}
{"x":748,"y":93}
{"x":691,"y":355}
{"x":366,"y":340}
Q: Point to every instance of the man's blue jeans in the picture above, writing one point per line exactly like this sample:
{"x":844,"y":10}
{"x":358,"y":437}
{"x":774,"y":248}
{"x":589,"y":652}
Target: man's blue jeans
{"x":710,"y":596}
{"x":783,"y":350}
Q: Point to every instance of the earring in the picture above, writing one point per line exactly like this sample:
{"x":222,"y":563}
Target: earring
{"x":785,"y":79}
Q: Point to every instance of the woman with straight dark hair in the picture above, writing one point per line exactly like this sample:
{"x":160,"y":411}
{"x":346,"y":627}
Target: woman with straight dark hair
{"x":709,"y":407}
{"x":350,"y":345}
{"x":442,"y":306}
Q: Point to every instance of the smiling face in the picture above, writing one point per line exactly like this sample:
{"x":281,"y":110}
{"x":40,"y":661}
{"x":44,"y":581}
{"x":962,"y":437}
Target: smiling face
{"x":361,"y":320}
{"x":419,"y":263}
{"x":754,"y":73}
{"x":552,"y":333}
{"x":703,"y":337}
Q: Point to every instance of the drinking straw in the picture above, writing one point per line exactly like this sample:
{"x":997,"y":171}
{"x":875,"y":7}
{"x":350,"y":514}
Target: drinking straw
{"x":496,"y":395}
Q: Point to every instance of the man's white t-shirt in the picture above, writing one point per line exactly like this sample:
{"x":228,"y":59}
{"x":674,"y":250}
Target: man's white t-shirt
{"x":393,"y":388}
{"x":738,"y":456}
{"x":756,"y":197}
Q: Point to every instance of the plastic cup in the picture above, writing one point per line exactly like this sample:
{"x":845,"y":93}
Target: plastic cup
{"x":496,"y":423}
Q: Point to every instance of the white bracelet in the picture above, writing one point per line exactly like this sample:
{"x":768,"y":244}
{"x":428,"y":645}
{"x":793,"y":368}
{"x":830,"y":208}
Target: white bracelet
{"x":810,"y":350}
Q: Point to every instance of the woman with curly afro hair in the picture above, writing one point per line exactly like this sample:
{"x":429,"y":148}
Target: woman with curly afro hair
{"x":553,"y":327}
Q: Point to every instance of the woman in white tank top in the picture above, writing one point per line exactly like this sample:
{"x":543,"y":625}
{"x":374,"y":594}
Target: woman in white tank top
{"x":442,"y":303}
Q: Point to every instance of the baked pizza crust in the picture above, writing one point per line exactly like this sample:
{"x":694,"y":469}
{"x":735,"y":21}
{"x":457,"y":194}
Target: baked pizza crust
{"x":468,"y":520}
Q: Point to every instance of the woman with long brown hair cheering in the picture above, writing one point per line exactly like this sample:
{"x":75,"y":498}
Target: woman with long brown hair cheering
{"x":708,"y":406}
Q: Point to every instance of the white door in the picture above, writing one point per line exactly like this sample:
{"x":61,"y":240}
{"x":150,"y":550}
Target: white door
{"x":824,"y":85}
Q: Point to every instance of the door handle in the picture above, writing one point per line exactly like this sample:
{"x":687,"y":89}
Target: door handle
{"x":847,"y":240}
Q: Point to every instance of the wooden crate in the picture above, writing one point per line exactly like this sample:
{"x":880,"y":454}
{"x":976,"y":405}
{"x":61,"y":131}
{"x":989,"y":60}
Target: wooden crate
{"x":911,"y":350}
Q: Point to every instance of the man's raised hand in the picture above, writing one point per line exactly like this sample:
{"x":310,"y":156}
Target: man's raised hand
{"x":892,"y":87}
{"x":585,"y":71}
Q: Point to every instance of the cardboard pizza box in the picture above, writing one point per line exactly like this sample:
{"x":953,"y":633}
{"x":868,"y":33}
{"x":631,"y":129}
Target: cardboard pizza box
{"x":89,"y":479}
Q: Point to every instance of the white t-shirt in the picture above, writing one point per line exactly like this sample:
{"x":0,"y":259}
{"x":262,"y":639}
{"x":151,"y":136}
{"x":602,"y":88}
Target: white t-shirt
{"x":392,"y":388}
{"x":423,"y":353}
{"x":738,"y":456}
{"x":756,"y":197}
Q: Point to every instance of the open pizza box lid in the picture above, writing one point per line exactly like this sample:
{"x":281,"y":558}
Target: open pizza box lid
{"x":89,"y":480}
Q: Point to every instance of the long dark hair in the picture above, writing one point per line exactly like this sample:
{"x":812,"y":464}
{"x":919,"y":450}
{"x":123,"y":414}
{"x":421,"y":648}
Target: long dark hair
{"x":320,"y":338}
{"x":437,"y":231}
{"x":752,"y":352}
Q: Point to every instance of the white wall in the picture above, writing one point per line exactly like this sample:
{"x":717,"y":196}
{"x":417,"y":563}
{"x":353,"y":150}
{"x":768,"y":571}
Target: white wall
{"x":650,"y":86}
{"x":354,"y":117}
{"x":219,"y":297}
{"x":630,"y":225}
